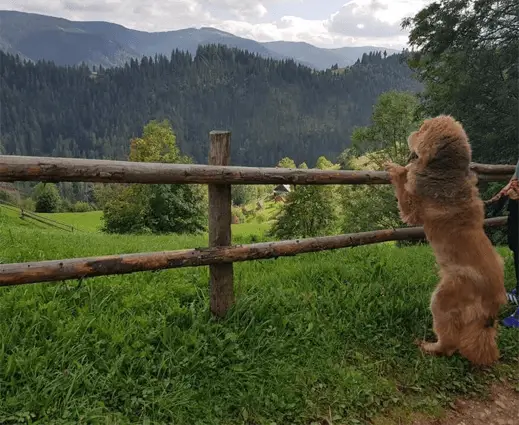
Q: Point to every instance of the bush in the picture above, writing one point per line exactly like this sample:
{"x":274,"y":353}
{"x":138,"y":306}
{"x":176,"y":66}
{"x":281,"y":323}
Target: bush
{"x":366,"y":208}
{"x":176,"y":208}
{"x":126,"y":213}
{"x":81,"y":206}
{"x":236,"y":211}
{"x":104,"y":193}
{"x":47,"y":198}
{"x":156,"y":209}
{"x":159,"y":208}
{"x":27,"y":204}
{"x":7,"y":197}
{"x":66,"y":206}
{"x":309,"y":210}
{"x":242,"y":194}
{"x":261,"y":217}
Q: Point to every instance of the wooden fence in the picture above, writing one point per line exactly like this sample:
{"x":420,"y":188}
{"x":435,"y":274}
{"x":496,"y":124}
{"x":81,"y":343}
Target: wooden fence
{"x":219,"y":175}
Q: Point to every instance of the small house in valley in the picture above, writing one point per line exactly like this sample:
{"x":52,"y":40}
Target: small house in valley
{"x":282,"y":189}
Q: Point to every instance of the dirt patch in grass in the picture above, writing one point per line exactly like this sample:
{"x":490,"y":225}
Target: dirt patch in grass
{"x":500,"y":408}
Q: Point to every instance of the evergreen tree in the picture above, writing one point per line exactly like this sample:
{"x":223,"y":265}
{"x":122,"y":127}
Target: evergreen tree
{"x":274,"y":109}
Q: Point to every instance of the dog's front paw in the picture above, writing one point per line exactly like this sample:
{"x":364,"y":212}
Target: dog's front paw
{"x":395,"y":171}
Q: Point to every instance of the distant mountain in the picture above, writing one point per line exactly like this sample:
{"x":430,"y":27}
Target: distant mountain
{"x":35,"y":37}
{"x":322,"y":58}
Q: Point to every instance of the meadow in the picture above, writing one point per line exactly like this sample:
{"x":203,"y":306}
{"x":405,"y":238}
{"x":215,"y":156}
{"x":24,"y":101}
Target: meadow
{"x":314,"y":339}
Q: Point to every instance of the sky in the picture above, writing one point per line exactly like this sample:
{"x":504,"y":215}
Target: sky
{"x":324,"y":23}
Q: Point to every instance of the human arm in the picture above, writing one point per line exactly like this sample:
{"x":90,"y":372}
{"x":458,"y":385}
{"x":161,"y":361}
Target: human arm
{"x":511,"y":189}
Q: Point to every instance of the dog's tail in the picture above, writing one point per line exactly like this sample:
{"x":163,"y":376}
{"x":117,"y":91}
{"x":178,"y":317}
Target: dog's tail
{"x":478,"y":342}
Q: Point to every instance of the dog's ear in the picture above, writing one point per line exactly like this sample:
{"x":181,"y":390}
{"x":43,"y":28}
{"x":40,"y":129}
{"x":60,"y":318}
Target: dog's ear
{"x":445,"y":145}
{"x":448,"y":154}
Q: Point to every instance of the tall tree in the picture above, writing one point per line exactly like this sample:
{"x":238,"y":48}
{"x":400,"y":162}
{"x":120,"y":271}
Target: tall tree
{"x":466,"y":54}
{"x":395,"y":116}
{"x":368,"y":207}
{"x":157,"y":208}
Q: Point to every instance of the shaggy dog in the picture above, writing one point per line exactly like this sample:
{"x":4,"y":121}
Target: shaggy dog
{"x":437,"y":189}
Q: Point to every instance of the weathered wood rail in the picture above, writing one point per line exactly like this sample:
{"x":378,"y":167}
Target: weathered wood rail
{"x":219,"y":175}
{"x":27,"y":168}
{"x":56,"y":270}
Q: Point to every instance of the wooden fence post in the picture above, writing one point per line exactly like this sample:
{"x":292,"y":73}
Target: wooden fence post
{"x":221,"y":276}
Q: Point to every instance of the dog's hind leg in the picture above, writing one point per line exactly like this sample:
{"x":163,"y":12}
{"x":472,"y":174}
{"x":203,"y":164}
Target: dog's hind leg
{"x":447,"y":340}
{"x":445,"y":325}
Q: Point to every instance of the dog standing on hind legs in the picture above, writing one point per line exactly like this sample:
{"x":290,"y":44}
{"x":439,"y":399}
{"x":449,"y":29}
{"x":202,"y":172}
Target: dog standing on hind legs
{"x":438,"y":190}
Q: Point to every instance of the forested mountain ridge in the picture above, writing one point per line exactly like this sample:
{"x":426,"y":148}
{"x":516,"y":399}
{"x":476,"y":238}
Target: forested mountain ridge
{"x":274,"y":108}
{"x":40,"y":37}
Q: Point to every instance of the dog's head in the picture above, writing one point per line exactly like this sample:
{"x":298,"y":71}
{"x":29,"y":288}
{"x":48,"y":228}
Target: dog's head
{"x":442,"y":156}
{"x":442,"y":144}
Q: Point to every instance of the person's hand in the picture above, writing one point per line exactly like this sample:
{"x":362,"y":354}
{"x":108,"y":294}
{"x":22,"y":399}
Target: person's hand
{"x":511,"y":190}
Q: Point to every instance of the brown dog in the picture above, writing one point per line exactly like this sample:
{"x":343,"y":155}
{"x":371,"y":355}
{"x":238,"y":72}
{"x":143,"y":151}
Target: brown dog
{"x":438,"y":190}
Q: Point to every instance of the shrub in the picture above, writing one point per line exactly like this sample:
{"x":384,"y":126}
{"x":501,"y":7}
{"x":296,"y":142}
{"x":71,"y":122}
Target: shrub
{"x":156,"y":208}
{"x":309,"y":210}
{"x":27,"y":204}
{"x":81,"y":206}
{"x":47,"y":198}
{"x":125,"y":213}
{"x":7,"y":197}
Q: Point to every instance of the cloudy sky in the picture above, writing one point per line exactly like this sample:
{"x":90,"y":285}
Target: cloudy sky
{"x":325,"y":23}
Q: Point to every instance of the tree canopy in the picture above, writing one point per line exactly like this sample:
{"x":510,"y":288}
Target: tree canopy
{"x":467,"y":56}
{"x":372,"y":207}
{"x":156,"y":208}
{"x":309,"y":210}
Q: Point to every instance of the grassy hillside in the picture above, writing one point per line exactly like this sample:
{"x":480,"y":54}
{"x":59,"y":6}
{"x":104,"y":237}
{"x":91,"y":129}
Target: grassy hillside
{"x":325,"y":336}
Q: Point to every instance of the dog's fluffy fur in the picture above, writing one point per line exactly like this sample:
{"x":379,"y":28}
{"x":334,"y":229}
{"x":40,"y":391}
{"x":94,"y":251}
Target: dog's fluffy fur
{"x":438,"y":190}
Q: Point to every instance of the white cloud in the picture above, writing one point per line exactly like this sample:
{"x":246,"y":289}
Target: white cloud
{"x":358,"y":22}
{"x":356,"y":19}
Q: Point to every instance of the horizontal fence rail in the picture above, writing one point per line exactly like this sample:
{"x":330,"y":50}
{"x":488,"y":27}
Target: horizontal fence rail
{"x":27,"y":168}
{"x":78,"y":268}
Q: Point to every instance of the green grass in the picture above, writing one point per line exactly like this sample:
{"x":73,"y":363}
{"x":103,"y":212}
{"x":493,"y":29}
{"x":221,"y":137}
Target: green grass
{"x":92,"y":222}
{"x":313,"y":336}
{"x":87,"y":221}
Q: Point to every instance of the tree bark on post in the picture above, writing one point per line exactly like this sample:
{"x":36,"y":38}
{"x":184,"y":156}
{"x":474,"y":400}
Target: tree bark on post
{"x":221,"y":276}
